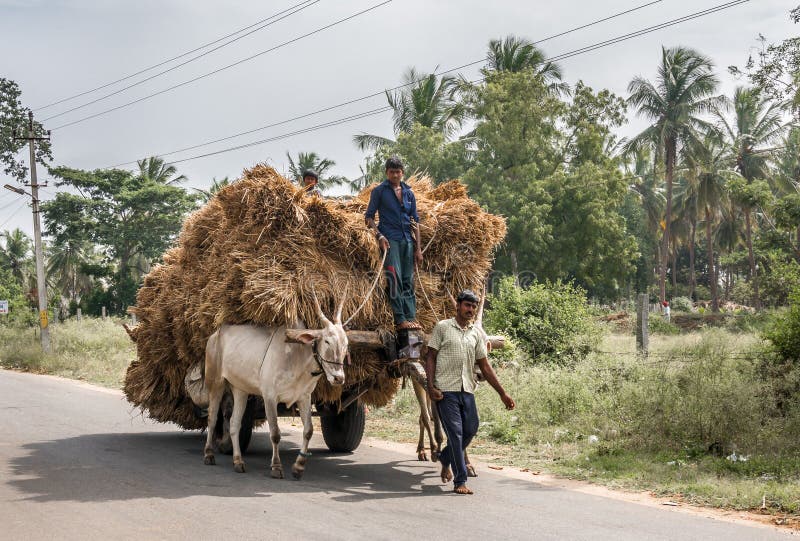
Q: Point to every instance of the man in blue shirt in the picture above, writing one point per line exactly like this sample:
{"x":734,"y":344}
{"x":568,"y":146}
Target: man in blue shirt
{"x":398,"y":233}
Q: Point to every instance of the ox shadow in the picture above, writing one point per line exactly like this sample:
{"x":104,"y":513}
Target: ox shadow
{"x":120,"y":466}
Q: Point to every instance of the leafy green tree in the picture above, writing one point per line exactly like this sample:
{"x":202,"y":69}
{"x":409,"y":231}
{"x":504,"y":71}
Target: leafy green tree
{"x":310,"y":160}
{"x":684,"y":89}
{"x":156,"y":170}
{"x":127,"y":215}
{"x":427,"y":99}
{"x":515,"y":148}
{"x":10,"y":290}
{"x":757,"y":122}
{"x":16,"y":255}
{"x":14,"y":116}
{"x":423,"y":150}
{"x":66,"y":269}
{"x":516,"y":54}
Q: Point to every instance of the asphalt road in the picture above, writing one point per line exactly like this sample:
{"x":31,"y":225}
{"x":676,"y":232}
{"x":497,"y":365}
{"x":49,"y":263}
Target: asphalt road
{"x":76,"y":462}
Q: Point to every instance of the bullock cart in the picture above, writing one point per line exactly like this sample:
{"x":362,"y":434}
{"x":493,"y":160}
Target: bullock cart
{"x":342,"y":421}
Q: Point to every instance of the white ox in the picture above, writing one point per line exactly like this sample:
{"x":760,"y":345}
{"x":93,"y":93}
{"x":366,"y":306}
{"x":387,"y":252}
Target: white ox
{"x":257,"y":360}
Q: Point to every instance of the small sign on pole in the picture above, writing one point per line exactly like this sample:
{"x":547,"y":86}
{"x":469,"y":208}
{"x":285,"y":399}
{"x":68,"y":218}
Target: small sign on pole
{"x":4,"y":307}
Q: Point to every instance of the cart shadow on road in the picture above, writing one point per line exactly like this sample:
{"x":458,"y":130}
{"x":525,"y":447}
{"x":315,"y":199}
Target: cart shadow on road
{"x":127,"y":466}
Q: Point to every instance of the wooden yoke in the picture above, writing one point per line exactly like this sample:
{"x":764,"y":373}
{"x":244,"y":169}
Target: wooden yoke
{"x":372,"y":339}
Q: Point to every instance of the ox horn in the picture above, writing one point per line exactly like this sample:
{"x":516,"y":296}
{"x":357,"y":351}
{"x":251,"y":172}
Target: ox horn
{"x":338,"y":318}
{"x":320,"y":313}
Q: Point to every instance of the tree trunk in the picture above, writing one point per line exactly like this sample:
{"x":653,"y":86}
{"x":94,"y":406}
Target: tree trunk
{"x":515,"y":267}
{"x":712,"y":274}
{"x":692,"y":279}
{"x":670,"y":149}
{"x":674,"y":267}
{"x":751,"y":258}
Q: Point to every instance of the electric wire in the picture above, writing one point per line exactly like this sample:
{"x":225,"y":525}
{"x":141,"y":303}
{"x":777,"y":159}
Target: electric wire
{"x":158,"y":65}
{"x":223,"y":68}
{"x":569,"y":54}
{"x":173,"y":68}
{"x":11,"y":216}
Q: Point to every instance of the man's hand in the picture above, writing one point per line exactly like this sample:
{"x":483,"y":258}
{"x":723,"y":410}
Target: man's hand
{"x":436,"y":394}
{"x":418,"y":256}
{"x":508,"y":401}
{"x":384,"y":243}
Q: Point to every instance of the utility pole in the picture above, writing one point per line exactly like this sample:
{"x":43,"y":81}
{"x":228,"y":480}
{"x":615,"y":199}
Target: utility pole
{"x":41,"y":287}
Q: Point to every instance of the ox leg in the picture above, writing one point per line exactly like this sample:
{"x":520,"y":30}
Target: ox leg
{"x":299,"y":467}
{"x":271,"y":409}
{"x":214,"y":399}
{"x":424,"y":420}
{"x":437,"y":430}
{"x":471,"y":472}
{"x":239,"y":405}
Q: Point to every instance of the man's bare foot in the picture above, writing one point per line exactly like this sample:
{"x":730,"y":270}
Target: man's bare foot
{"x":462,"y":489}
{"x":446,"y":474}
{"x":404,"y":325}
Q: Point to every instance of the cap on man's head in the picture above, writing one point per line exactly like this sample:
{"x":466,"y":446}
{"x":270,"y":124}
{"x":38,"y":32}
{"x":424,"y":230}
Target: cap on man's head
{"x":310,"y":173}
{"x":467,"y":295}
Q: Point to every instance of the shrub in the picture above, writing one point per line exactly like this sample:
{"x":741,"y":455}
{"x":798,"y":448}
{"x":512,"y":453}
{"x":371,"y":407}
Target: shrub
{"x":546,"y":320}
{"x":681,"y":304}
{"x":656,"y":324}
{"x":785,"y":332}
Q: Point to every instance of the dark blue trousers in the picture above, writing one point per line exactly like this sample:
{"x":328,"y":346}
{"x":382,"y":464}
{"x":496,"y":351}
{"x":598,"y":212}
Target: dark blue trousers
{"x":459,"y":416}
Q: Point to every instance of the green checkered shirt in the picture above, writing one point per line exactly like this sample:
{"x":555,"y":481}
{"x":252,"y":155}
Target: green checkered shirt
{"x":457,"y":350}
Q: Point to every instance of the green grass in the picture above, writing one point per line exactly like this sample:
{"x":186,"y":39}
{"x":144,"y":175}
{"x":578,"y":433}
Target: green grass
{"x":94,"y":350}
{"x":664,"y":424}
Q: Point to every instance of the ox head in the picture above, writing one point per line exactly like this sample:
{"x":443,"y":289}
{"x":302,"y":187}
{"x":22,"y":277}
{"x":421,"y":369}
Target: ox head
{"x":329,"y":343}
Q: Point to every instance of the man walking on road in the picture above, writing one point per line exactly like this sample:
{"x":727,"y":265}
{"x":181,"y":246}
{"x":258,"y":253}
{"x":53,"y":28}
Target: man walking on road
{"x":396,"y":206}
{"x":454,"y":348}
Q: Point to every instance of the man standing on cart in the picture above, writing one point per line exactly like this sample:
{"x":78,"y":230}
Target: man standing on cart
{"x":398,"y":234}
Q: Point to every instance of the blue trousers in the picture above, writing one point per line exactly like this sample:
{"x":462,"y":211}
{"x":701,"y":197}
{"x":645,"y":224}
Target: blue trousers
{"x":399,"y":269}
{"x":459,"y":416}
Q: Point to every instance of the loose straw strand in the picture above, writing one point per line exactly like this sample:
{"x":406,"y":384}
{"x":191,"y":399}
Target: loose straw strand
{"x":369,"y":293}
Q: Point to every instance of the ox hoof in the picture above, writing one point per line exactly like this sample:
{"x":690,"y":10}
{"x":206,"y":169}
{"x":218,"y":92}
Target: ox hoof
{"x":471,"y":471}
{"x":209,"y":460}
{"x":276,"y":473}
{"x":422,"y":456}
{"x":435,"y":456}
{"x":297,"y":473}
{"x":239,"y":467}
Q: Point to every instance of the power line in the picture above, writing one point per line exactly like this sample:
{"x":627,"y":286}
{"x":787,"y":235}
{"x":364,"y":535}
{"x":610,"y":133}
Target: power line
{"x":332,"y":123}
{"x":11,"y":216}
{"x":382,"y":92}
{"x":158,"y":65}
{"x":201,"y":55}
{"x":285,"y":43}
{"x":569,"y":54}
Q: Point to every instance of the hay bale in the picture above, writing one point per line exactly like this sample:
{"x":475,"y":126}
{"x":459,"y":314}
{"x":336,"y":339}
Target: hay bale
{"x":252,"y":252}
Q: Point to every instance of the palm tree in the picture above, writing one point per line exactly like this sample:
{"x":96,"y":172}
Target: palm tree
{"x":648,"y":189}
{"x":757,"y":122}
{"x":154,"y":169}
{"x":686,"y":210}
{"x":65,"y":265}
{"x":706,"y":166}
{"x":684,"y":89}
{"x":216,"y":185}
{"x":514,"y":54}
{"x":428,"y":100}
{"x":17,"y":255}
{"x":310,"y":160}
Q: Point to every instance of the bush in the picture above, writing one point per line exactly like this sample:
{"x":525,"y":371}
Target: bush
{"x":546,"y":321}
{"x":656,"y":324}
{"x":785,"y":332}
{"x":681,"y":304}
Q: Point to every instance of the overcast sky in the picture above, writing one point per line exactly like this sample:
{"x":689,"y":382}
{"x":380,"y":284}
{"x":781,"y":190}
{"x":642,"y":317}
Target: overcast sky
{"x":56,"y":48}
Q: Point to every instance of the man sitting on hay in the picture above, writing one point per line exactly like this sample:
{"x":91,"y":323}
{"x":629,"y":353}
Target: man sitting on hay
{"x":399,"y":237}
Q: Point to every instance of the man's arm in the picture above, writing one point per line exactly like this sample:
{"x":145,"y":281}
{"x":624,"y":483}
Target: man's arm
{"x":491,"y":378}
{"x":430,"y":372}
{"x":369,"y":218}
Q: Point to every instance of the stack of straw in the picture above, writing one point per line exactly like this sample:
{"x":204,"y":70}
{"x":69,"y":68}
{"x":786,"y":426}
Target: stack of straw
{"x":251,"y":255}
